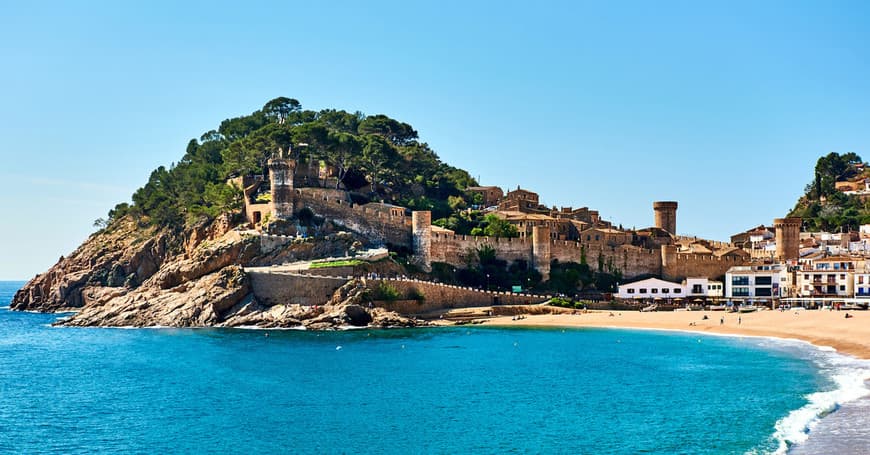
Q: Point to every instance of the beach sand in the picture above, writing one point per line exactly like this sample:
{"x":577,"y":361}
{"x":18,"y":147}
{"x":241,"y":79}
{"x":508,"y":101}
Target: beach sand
{"x":822,"y":328}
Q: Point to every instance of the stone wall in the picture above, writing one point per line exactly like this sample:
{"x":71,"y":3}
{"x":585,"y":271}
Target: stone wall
{"x":441,"y":296}
{"x":676,"y":267}
{"x":631,"y":261}
{"x":376,"y":224}
{"x":452,"y":249}
{"x":274,"y":288}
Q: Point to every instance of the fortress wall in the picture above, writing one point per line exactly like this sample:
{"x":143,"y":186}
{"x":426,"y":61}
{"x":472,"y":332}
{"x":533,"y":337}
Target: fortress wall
{"x":452,"y":249}
{"x":713,"y":243}
{"x":333,"y":204}
{"x":273,"y":288}
{"x":441,"y":296}
{"x":629,"y":260}
{"x":680,"y":266}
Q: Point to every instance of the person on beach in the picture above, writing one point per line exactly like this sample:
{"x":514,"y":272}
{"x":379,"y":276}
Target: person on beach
{"x":739,"y":320}
{"x":722,"y":320}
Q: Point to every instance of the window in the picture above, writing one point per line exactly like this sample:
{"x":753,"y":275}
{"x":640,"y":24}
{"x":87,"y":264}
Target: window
{"x":678,"y":291}
{"x":654,"y":290}
{"x":763,"y":280}
{"x":643,"y":290}
{"x":739,"y":280}
{"x":763,"y":292}
{"x":631,"y":290}
{"x":842,"y":276}
{"x":664,"y":290}
{"x":740,"y":291}
{"x":596,"y":237}
{"x":696,"y":289}
{"x":806,"y":276}
{"x":842,"y":287}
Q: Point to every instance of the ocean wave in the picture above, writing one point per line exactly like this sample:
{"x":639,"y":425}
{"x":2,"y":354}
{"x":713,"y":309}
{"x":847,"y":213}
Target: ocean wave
{"x":848,"y":376}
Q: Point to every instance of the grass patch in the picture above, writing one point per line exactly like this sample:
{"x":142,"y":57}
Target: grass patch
{"x":341,"y":263}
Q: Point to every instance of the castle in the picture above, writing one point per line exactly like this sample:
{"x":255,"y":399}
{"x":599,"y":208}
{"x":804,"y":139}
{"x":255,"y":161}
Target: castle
{"x":566,"y":235}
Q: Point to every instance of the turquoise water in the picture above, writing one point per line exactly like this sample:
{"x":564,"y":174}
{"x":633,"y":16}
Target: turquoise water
{"x":449,"y":390}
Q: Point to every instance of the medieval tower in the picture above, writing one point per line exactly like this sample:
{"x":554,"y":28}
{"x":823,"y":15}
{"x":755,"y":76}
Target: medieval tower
{"x":788,"y":231}
{"x":541,"y":250}
{"x":421,"y":240}
{"x":281,"y":177}
{"x":666,"y":215}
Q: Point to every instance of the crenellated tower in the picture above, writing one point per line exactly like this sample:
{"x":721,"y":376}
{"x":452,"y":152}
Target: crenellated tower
{"x":788,"y":232}
{"x":281,"y":178}
{"x":421,"y":231}
{"x":666,"y":215}
{"x":541,"y":243}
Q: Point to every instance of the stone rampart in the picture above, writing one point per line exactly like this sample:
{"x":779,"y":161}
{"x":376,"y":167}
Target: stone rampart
{"x":437,"y":296}
{"x":377,"y":224}
{"x":631,"y":261}
{"x":274,"y":288}
{"x":680,"y":266}
{"x":453,"y":249}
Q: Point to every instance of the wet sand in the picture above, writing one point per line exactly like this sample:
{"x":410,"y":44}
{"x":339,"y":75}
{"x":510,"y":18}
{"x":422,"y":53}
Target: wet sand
{"x":822,"y":328}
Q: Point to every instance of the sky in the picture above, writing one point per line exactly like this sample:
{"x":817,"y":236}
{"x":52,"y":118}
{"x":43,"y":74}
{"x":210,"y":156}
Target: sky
{"x":721,"y":106}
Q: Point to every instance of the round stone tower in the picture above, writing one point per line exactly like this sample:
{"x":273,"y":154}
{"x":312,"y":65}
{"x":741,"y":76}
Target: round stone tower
{"x":421,"y":238}
{"x":666,"y":215}
{"x":541,"y":250}
{"x":281,"y":178}
{"x":788,"y":235}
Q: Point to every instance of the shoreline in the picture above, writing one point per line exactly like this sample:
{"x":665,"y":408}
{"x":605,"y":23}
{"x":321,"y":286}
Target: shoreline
{"x":823,"y":329}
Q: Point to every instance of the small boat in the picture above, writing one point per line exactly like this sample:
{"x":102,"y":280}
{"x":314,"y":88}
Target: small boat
{"x":649,"y":308}
{"x":718,"y":307}
{"x":747,"y":309}
{"x":853,"y":307}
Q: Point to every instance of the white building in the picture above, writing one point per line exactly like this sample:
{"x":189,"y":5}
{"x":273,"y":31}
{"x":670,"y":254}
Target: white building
{"x":827,"y":277}
{"x":715,"y":289}
{"x":654,"y":288}
{"x":756,"y":282}
{"x":861,"y":284}
{"x":651,"y":288}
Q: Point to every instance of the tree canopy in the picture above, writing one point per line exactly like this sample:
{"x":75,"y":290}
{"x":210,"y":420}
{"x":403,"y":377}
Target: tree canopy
{"x":374,"y":153}
{"x":823,"y":207}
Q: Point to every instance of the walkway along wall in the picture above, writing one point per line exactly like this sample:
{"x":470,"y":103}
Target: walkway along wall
{"x":437,"y":296}
{"x":274,"y":288}
{"x":277,"y":288}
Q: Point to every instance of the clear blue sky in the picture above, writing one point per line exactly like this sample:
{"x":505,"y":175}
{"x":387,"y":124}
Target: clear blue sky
{"x":722,"y":106}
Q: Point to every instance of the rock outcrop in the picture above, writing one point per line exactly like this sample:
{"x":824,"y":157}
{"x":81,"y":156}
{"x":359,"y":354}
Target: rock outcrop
{"x":124,"y":255}
{"x":131,"y":276}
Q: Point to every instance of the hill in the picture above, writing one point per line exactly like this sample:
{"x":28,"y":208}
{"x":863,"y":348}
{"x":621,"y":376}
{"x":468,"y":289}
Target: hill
{"x":378,"y":156}
{"x":836,"y":199}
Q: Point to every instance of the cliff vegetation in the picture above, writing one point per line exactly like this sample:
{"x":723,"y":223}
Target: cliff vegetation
{"x":825,"y":204}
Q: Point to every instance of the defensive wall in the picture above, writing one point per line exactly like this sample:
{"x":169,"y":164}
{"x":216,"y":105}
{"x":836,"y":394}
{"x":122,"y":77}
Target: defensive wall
{"x":676,"y":266}
{"x":275,"y":288}
{"x":630,"y":260}
{"x":438,"y":296}
{"x":369,"y":221}
{"x":453,"y":249}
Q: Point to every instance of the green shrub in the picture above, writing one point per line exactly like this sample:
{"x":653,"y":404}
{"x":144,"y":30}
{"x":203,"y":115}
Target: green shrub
{"x":386,"y":292}
{"x":415,"y":294}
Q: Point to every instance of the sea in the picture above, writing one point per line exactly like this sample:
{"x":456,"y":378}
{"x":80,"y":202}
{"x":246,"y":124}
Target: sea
{"x":432,"y":390}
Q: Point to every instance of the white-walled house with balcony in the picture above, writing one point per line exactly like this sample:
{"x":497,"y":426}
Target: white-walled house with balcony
{"x":758,"y":283}
{"x":827,"y":277}
{"x":655,"y":288}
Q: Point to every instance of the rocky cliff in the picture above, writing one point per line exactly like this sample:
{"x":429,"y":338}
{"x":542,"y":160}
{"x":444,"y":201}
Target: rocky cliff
{"x":129,"y":276}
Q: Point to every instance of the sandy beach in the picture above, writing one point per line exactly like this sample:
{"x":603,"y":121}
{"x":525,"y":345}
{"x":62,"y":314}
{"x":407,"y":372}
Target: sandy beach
{"x":822,"y":328}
